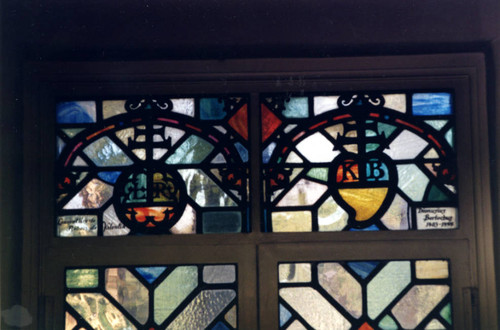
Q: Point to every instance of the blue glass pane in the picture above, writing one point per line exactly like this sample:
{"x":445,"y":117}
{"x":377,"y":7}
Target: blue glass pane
{"x":220,"y":326}
{"x":150,"y":274}
{"x":267,"y":153}
{"x":371,"y":228}
{"x":284,"y":315}
{"x":430,"y":104}
{"x":222,"y":222}
{"x":242,"y":151}
{"x":109,"y":177}
{"x":363,"y":268}
{"x":76,"y":112}
{"x":297,"y":107}
{"x":212,"y":108}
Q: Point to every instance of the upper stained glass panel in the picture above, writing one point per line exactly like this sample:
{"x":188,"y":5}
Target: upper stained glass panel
{"x":152,"y":166}
{"x":359,"y":161}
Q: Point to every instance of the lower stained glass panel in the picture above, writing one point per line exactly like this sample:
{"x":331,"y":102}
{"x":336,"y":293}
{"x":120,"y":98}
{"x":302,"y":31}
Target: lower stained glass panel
{"x":403,"y":294}
{"x":154,"y":297}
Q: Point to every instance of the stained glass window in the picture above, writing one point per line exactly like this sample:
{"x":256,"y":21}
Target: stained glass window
{"x":359,"y":161}
{"x":399,"y":294}
{"x":152,"y":166}
{"x":152,"y":297}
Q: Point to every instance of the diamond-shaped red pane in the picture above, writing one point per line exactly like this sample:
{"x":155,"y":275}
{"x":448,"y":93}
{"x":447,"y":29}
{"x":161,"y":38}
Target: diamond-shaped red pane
{"x":240,"y":122}
{"x":269,"y":122}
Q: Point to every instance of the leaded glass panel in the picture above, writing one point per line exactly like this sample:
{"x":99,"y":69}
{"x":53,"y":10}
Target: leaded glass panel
{"x":359,"y":161}
{"x":152,"y":166}
{"x":399,"y":294}
{"x":152,"y":297}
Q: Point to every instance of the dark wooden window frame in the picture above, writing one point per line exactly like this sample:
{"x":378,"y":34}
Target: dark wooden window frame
{"x":470,"y":248}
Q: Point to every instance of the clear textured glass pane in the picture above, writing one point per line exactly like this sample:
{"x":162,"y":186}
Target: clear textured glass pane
{"x":296,"y":107}
{"x":98,"y":311}
{"x":294,"y":273}
{"x":104,"y":152}
{"x":77,"y":225}
{"x":94,"y":195}
{"x":292,"y":221}
{"x":203,"y":309}
{"x":192,"y":151}
{"x":431,"y":269}
{"x":219,"y":274}
{"x":304,"y":192}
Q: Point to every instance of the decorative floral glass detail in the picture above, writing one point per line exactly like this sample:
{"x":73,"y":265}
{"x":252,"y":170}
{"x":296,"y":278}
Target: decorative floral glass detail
{"x":365,"y":295}
{"x":152,"y":166}
{"x":152,"y":297}
{"x":359,"y":161}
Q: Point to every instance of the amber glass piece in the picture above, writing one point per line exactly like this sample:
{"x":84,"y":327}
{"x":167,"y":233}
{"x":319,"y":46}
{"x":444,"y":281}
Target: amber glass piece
{"x":365,"y":201}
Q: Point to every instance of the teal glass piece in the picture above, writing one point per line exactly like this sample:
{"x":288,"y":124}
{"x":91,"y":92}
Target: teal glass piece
{"x":212,"y":108}
{"x":192,"y":151}
{"x":242,"y":151}
{"x":173,"y":291}
{"x":267,"y":153}
{"x":376,"y":171}
{"x":386,"y":129}
{"x":446,"y":313}
{"x":285,"y":315}
{"x":82,"y":278}
{"x":297,"y":107}
{"x":388,"y":323}
{"x":135,"y":188}
{"x":437,"y":195}
{"x":450,"y":137}
{"x":219,"y":274}
{"x":221,"y":222}
{"x":363,"y":268}
{"x":109,"y":177}
{"x":386,"y":286}
{"x":220,"y":326}
{"x":104,"y":152}
{"x":76,"y":112}
{"x":431,"y":104}
{"x":150,"y":274}
{"x":370,"y":228}
{"x":437,"y":124}
{"x":319,"y":173}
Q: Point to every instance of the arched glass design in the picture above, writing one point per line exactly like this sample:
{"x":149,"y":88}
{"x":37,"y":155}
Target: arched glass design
{"x":359,"y":161}
{"x":157,"y":165}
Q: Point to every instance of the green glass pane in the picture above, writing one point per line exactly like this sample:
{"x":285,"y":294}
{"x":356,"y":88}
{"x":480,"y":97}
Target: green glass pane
{"x":222,"y":222}
{"x":320,"y":173}
{"x":388,"y":323}
{"x":104,"y":152}
{"x":72,"y":132}
{"x":126,"y":289}
{"x":203,"y":309}
{"x":446,"y":313}
{"x":437,"y":195}
{"x":173,"y":291}
{"x":82,"y":278}
{"x":219,"y":274}
{"x":387,"y":285}
{"x":203,"y":190}
{"x":296,"y":107}
{"x":192,"y":151}
{"x":98,"y":311}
